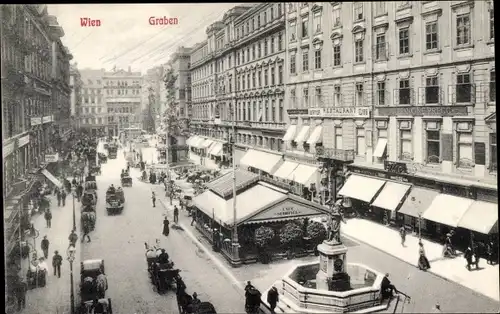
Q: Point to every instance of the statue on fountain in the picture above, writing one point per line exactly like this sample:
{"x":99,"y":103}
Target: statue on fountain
{"x":336,"y":218}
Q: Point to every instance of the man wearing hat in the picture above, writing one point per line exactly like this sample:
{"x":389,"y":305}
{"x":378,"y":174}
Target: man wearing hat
{"x":56,"y":263}
{"x":45,"y":246}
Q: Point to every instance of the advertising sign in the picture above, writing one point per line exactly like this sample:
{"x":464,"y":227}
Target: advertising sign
{"x":297,"y":111}
{"x":47,"y":119}
{"x":340,"y":112}
{"x":36,"y":121}
{"x":51,"y":158}
{"x":24,"y":140}
{"x":440,"y":111}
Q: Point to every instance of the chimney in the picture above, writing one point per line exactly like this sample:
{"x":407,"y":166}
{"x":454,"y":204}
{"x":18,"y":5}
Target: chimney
{"x":129,"y":69}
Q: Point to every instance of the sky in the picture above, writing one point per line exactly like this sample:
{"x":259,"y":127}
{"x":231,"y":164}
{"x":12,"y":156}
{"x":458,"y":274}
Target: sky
{"x":126,"y":38}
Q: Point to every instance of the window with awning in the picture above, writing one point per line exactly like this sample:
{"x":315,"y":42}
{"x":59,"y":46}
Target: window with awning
{"x":316,"y":136}
{"x":52,"y":178}
{"x":285,"y":169}
{"x":216,"y":149}
{"x":447,"y":209}
{"x":266,"y":162}
{"x":418,"y":200}
{"x":380,"y":148}
{"x":301,"y":137}
{"x":391,"y":196}
{"x":290,"y":133}
{"x":304,"y":174}
{"x":361,"y":187}
{"x":481,"y":217}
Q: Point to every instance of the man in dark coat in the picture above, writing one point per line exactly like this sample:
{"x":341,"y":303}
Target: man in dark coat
{"x":153,"y":198}
{"x":468,"y":257}
{"x":48,"y":218}
{"x":56,"y":263}
{"x":63,"y":197}
{"x":59,"y":197}
{"x":272,"y":298}
{"x":176,"y":214}
{"x":166,"y":227}
{"x":388,"y":289}
{"x":45,"y":246}
{"x":20,"y":290}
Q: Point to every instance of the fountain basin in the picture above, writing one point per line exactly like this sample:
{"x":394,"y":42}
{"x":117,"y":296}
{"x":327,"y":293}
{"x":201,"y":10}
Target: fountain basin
{"x":298,"y":293}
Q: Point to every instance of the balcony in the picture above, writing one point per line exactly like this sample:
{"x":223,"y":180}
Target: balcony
{"x":345,"y":155}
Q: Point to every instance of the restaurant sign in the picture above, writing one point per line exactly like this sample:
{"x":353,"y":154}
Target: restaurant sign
{"x":51,"y":158}
{"x":36,"y":121}
{"x":440,"y":111}
{"x":297,"y":111}
{"x":286,"y":209}
{"x":340,"y":112}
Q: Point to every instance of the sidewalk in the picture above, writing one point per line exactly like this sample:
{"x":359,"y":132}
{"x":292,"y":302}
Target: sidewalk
{"x":484,"y":280}
{"x":55,"y":296}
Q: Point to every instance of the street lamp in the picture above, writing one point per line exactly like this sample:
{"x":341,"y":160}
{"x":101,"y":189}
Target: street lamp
{"x":71,"y":258}
{"x":73,"y":193}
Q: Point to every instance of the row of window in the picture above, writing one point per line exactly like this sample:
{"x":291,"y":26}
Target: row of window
{"x":464,"y":91}
{"x":260,"y":49}
{"x":254,"y":79}
{"x":92,"y":91}
{"x":260,"y":20}
{"x":91,"y":100}
{"x":122,"y":91}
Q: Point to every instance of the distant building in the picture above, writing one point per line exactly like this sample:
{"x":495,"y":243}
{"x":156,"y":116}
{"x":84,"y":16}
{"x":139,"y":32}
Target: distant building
{"x":76,"y":85}
{"x":93,"y":110}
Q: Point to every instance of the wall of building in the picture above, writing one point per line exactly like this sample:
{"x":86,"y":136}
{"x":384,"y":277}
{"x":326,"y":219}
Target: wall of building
{"x":93,"y":110}
{"x":407,"y":62}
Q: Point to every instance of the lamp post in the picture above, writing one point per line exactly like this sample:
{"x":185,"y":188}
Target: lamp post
{"x":71,"y":258}
{"x":73,"y":193}
{"x":232,"y":139}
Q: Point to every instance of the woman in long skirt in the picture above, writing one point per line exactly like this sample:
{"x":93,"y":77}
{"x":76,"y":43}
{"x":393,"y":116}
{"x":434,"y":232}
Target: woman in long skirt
{"x":166,"y":228}
{"x":423,"y":262}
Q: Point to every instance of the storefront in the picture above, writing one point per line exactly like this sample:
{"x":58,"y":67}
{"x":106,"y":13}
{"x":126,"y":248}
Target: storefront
{"x":261,"y":162}
{"x":258,"y":203}
{"x":429,"y":207}
{"x":196,"y":148}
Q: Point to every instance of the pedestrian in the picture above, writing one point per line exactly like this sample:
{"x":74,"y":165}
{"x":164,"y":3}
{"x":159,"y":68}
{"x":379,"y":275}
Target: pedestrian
{"x":63,"y":197}
{"x":166,"y":227}
{"x":45,"y":246}
{"x":153,"y":198}
{"x":59,"y":197}
{"x":423,"y":262}
{"x":195,"y":302}
{"x":402,"y":233}
{"x":56,"y":263}
{"x":21,"y":287}
{"x":436,"y":308}
{"x":74,"y":182}
{"x":73,"y":237}
{"x":272,"y":298}
{"x":468,"y":257}
{"x":176,"y":214}
{"x":489,"y":252}
{"x":48,"y":218}
{"x":193,"y":216}
{"x":475,"y":254}
{"x":86,"y":231}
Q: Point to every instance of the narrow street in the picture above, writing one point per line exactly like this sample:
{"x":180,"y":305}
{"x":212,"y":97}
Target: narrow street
{"x":119,"y":240}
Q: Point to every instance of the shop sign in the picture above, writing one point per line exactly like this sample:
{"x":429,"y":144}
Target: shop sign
{"x":395,"y":167}
{"x":440,"y":111}
{"x":47,"y":119}
{"x":8,"y":149}
{"x":297,"y":111}
{"x":51,"y":158}
{"x":36,"y":121}
{"x":340,"y":112}
{"x":23,"y":141}
{"x":285,"y":210}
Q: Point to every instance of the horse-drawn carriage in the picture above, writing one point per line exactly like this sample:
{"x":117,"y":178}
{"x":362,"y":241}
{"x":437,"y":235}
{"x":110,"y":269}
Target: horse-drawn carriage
{"x":88,"y":214}
{"x":102,"y":158}
{"x":163,"y":274}
{"x":93,"y":286}
{"x":114,"y":201}
{"x":126,"y":179}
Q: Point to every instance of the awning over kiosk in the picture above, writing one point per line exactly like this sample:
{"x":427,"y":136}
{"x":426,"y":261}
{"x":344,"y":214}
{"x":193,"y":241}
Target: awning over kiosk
{"x":290,"y":133}
{"x":380,"y":148}
{"x":303,"y":174}
{"x":481,"y":217}
{"x":361,"y":188}
{"x":447,"y":209}
{"x":391,"y":195}
{"x":417,"y":201}
{"x":216,"y":149}
{"x":207,"y":143}
{"x":198,"y":142}
{"x":316,"y":136}
{"x":261,"y":160}
{"x":301,"y":137}
{"x":189,"y":140}
{"x":52,"y":178}
{"x":285,"y":169}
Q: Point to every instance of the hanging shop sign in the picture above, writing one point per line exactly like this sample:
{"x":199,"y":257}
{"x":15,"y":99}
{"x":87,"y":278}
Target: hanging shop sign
{"x":47,"y":119}
{"x":423,"y":111}
{"x":340,"y":112}
{"x":24,"y":140}
{"x":297,"y":111}
{"x":51,"y":158}
{"x":36,"y":121}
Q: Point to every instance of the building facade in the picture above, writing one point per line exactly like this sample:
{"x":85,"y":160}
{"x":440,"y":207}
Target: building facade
{"x":122,"y":92}
{"x":93,"y":110}
{"x":238,"y":75}
{"x":404,"y":87}
{"x":153,"y":79}
{"x":30,"y":107}
{"x":76,"y":94}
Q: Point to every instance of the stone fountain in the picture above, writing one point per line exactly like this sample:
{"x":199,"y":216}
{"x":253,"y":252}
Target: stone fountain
{"x":331,"y":285}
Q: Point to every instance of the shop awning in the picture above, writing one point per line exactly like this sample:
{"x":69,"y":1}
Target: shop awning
{"x":418,"y":200}
{"x":380,"y":148}
{"x":301,"y":137}
{"x":261,"y":160}
{"x":316,"y":136}
{"x":391,"y":195}
{"x":285,"y":169}
{"x":290,"y":133}
{"x":303,"y":174}
{"x":190,"y":140}
{"x":361,"y":188}
{"x":481,"y":217}
{"x":447,"y":209}
{"x":198,"y":143}
{"x":207,"y":143}
{"x":52,"y":178}
{"x":216,"y":149}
